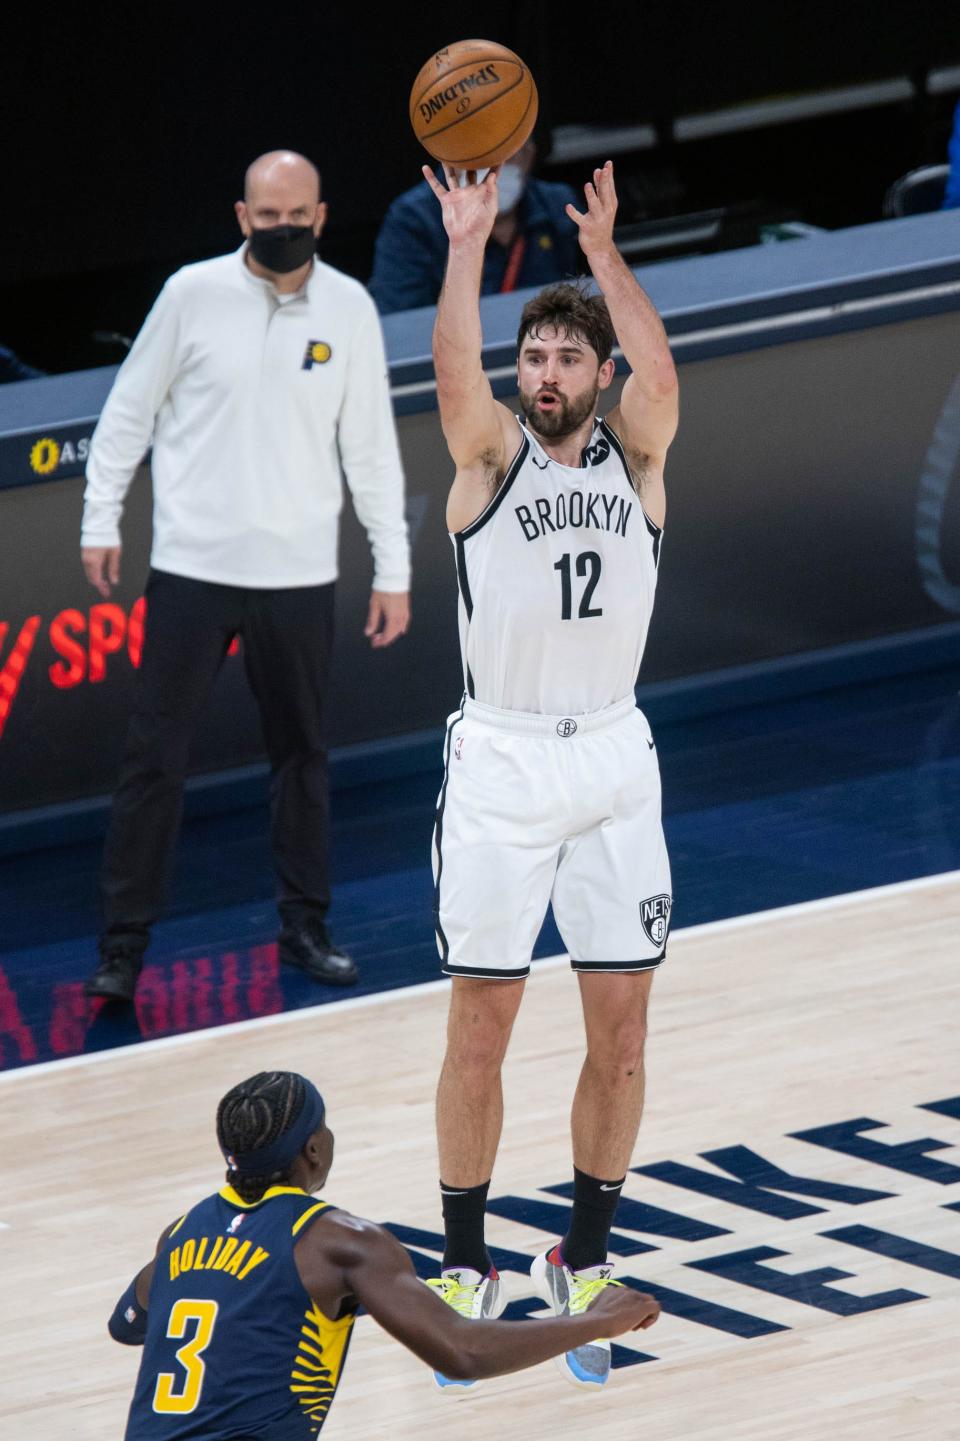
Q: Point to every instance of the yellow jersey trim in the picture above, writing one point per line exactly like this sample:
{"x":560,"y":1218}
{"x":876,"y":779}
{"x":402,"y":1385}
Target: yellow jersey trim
{"x":176,"y":1228}
{"x":302,"y":1220}
{"x":229,"y":1194}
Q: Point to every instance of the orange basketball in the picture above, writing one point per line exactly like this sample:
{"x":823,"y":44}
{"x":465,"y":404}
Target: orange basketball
{"x":473,"y":104}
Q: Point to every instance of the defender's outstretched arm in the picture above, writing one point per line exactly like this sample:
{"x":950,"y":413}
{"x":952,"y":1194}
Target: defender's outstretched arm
{"x":378,"y":1272}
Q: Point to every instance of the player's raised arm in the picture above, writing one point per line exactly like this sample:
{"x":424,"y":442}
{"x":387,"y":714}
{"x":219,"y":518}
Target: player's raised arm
{"x":476,"y":427}
{"x":378,"y":1273}
{"x":646,"y":417}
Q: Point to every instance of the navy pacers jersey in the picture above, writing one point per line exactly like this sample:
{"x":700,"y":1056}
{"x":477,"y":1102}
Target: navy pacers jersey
{"x":235,"y":1347}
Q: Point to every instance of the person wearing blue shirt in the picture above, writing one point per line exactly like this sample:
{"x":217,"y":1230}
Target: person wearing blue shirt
{"x":534,"y":241}
{"x":13,"y":368}
{"x":951,"y":199}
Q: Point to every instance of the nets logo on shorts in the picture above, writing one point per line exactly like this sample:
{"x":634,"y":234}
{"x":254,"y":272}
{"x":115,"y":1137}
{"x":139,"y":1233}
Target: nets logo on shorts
{"x":655,"y":915}
{"x":566,"y":728}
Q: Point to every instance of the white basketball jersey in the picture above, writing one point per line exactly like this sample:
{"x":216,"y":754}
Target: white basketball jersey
{"x":557,"y":579}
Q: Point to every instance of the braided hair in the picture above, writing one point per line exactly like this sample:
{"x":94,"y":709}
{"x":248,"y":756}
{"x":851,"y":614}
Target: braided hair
{"x":254,"y":1114}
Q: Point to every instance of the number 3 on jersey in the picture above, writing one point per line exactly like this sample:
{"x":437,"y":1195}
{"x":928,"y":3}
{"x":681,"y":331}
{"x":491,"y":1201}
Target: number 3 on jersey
{"x":587,"y":560}
{"x":202,"y":1314}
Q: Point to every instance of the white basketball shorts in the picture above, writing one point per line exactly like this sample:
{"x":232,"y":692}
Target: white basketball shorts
{"x":539,"y":808}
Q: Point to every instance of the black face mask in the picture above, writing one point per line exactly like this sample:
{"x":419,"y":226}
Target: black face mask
{"x":282,"y":248}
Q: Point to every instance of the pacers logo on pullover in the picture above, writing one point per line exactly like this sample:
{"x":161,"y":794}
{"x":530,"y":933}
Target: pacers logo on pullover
{"x":318,"y":352}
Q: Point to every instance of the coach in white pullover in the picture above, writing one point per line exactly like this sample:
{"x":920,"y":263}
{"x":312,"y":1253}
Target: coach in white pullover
{"x":255,"y":376}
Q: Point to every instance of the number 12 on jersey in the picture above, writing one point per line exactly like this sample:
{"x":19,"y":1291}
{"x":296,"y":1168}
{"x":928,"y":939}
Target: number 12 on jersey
{"x":587,"y":561}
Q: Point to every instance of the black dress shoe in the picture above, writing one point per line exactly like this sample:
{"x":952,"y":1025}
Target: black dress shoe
{"x":308,"y":947}
{"x":116,"y":976}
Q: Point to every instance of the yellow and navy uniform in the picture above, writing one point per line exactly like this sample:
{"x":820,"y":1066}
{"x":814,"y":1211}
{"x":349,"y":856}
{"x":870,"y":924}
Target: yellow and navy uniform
{"x":235,"y":1347}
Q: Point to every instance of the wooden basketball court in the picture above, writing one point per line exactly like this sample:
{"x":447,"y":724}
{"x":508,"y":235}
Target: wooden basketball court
{"x":837,"y":1019}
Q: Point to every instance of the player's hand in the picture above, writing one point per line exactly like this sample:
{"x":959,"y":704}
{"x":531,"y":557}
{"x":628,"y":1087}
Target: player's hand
{"x":388,"y":617}
{"x":101,"y":565}
{"x":624,"y":1309}
{"x":469,"y":211}
{"x":596,"y":227}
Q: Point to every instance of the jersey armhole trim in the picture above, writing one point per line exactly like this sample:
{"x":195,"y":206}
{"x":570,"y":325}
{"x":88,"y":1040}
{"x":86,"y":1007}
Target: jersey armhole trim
{"x":175,"y":1228}
{"x":655,"y":531}
{"x":617,"y":444}
{"x":462,"y":578}
{"x":490,"y":509}
{"x":463,"y":582}
{"x":308,"y":1215}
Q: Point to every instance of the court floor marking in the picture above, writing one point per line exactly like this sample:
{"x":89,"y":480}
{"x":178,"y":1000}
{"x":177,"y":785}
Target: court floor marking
{"x":375,"y":998}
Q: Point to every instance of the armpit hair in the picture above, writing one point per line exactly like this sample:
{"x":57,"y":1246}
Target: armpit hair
{"x":639,"y":465}
{"x":493,"y":473}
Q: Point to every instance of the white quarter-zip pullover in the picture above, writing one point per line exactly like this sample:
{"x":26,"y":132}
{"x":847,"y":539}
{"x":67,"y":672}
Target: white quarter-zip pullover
{"x":252,"y":402}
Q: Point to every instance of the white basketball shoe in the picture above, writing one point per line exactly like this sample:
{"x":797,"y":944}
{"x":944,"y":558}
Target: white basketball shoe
{"x":569,"y":1293}
{"x":472,"y":1295}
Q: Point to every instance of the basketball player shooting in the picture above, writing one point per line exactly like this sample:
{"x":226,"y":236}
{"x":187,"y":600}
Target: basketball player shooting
{"x":551,"y":789}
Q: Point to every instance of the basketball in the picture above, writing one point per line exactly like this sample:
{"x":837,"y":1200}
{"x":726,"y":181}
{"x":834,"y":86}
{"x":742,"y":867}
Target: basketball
{"x":473,"y":104}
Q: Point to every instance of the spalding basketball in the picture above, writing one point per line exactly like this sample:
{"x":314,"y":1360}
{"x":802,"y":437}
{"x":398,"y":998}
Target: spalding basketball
{"x":473,"y":105}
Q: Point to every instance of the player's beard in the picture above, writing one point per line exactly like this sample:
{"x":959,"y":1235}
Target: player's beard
{"x":566,"y":417}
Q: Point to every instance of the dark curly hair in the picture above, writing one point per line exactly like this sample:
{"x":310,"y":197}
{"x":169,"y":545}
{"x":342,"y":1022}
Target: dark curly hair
{"x":252,"y":1115}
{"x":571,"y":310}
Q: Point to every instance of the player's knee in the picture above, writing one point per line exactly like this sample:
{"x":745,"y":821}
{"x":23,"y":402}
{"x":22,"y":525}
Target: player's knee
{"x":619,"y":1053}
{"x":478,"y":1039}
{"x":482,"y":1050}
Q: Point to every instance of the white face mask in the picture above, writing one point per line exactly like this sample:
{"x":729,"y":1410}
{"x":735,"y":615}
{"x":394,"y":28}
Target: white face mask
{"x":510,"y":186}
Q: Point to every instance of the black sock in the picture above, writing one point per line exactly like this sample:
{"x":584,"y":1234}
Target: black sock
{"x":464,"y":1209}
{"x":594,"y":1207}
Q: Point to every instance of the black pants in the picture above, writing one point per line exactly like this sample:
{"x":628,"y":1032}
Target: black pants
{"x":287,"y":640}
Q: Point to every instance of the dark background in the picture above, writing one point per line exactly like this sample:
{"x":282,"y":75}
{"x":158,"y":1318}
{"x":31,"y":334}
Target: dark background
{"x":128,"y":129}
{"x":793,"y":493}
